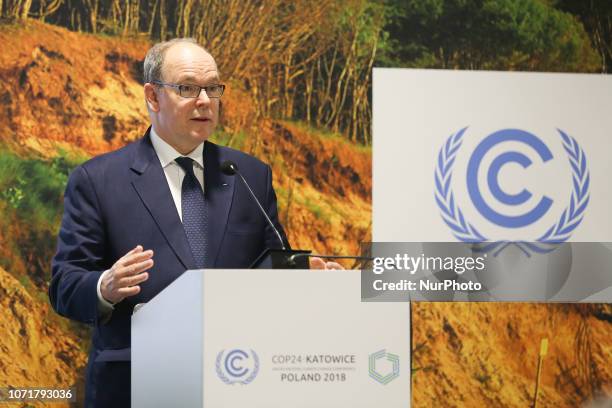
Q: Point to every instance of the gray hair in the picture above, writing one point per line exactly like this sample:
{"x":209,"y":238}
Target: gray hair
{"x":154,"y":60}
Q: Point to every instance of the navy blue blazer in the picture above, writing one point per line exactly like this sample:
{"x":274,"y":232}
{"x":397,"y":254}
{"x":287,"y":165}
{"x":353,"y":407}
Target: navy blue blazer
{"x":122,"y":199}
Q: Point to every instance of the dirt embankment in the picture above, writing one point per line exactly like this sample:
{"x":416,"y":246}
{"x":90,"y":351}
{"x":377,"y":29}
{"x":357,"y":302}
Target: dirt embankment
{"x":486,"y":354}
{"x":56,"y":85}
{"x":34,"y":350}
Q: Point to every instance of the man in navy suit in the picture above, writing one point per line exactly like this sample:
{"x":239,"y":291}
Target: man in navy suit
{"x":137,"y":218}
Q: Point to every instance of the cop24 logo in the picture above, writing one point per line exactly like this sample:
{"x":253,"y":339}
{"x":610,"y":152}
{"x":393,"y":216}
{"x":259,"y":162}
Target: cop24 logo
{"x":376,"y":372}
{"x":466,"y":231}
{"x":237,"y":366}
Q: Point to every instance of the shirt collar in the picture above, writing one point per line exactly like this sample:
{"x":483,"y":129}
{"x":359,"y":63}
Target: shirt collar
{"x":167,"y":153}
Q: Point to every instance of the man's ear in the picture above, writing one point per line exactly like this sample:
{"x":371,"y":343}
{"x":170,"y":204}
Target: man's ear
{"x":151,"y":97}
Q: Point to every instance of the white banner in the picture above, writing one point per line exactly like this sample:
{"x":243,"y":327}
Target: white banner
{"x":491,"y":156}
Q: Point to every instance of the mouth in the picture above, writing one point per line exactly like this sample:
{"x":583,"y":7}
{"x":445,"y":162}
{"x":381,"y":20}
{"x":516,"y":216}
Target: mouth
{"x":201,"y":119}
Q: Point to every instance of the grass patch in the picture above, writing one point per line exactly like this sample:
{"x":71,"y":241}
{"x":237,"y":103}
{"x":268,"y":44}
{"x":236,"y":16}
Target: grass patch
{"x":34,"y":188}
{"x":31,"y":199}
{"x":316,"y":209}
{"x":234,"y":140}
{"x":282,"y":196}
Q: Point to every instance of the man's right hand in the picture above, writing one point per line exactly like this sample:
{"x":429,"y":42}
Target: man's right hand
{"x":127,"y":273}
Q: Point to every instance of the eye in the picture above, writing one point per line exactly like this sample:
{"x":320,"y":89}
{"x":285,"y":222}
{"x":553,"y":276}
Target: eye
{"x":214,"y":91}
{"x":189,"y":90}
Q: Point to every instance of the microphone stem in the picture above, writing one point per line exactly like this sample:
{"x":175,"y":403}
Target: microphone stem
{"x":280,"y":239}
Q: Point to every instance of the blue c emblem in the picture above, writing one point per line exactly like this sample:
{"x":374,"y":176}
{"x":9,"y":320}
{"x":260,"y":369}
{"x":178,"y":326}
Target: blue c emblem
{"x":230,"y":361}
{"x":466,"y":231}
{"x":483,"y":148}
{"x":237,"y":366}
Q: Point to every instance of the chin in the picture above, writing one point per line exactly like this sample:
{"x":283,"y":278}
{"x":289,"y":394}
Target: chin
{"x":200,"y":136}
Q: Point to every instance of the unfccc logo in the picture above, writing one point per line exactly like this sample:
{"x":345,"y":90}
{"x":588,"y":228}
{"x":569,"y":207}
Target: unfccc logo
{"x":374,"y":363}
{"x":466,"y":231}
{"x":237,"y":366}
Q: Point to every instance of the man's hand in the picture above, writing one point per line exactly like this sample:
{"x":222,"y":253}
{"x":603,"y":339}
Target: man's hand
{"x":319,"y":263}
{"x":123,"y":278}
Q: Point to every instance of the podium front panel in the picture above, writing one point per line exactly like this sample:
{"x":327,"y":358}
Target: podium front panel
{"x":281,"y":338}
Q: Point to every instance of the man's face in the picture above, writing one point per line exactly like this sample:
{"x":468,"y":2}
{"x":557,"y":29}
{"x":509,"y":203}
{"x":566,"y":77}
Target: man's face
{"x":185,"y":122}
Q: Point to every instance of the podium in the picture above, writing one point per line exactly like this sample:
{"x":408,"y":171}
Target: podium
{"x":269,"y":338}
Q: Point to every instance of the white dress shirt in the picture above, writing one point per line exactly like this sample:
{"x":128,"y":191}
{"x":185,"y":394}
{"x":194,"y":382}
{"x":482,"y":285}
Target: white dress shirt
{"x":175,"y":173}
{"x":174,"y":176}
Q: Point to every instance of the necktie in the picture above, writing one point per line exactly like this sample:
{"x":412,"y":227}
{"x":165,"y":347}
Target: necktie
{"x":193,"y":209}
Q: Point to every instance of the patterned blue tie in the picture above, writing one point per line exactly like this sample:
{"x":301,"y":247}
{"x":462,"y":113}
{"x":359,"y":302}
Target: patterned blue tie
{"x":195,"y":214}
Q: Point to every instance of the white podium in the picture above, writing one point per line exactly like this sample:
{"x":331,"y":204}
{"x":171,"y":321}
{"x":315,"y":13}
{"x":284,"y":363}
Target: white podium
{"x":269,"y":338}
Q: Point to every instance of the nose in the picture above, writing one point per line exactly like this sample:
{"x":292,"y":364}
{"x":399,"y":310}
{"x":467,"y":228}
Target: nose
{"x":202,"y":99}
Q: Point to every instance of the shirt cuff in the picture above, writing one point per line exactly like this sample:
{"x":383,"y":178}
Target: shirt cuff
{"x":104,"y":306}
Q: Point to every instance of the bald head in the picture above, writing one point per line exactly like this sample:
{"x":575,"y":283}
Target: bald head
{"x":189,"y":63}
{"x":156,"y":56}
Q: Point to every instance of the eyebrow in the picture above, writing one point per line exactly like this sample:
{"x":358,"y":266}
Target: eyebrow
{"x":191,"y":78}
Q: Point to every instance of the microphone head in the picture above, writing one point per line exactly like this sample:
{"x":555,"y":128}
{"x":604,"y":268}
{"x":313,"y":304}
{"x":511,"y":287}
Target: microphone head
{"x":229,"y":168}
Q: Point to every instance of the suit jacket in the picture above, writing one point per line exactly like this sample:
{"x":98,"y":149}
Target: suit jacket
{"x":122,"y":199}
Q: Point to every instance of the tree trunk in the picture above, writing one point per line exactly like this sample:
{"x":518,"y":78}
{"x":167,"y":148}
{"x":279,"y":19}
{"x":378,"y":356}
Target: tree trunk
{"x":126,"y":21}
{"x":287,"y":95}
{"x":308,"y":84}
{"x":187,"y":18}
{"x":92,"y":9}
{"x":25,"y":10}
{"x":152,"y":19}
{"x":163,"y":22}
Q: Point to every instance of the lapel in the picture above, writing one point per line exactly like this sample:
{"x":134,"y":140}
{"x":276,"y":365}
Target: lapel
{"x":152,"y":187}
{"x":218,"y":192}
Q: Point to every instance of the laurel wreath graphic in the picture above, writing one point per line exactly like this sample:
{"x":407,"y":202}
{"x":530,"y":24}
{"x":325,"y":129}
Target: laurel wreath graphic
{"x":226,"y":379}
{"x":464,"y":231}
{"x":255,"y":369}
{"x":572,"y":216}
{"x":220,"y":372}
{"x":445,"y":198}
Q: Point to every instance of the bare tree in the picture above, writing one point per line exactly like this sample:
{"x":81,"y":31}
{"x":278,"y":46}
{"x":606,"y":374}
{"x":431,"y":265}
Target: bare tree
{"x":298,"y":59}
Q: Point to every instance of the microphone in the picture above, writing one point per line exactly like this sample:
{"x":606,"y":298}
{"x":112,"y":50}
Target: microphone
{"x":230,"y":168}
